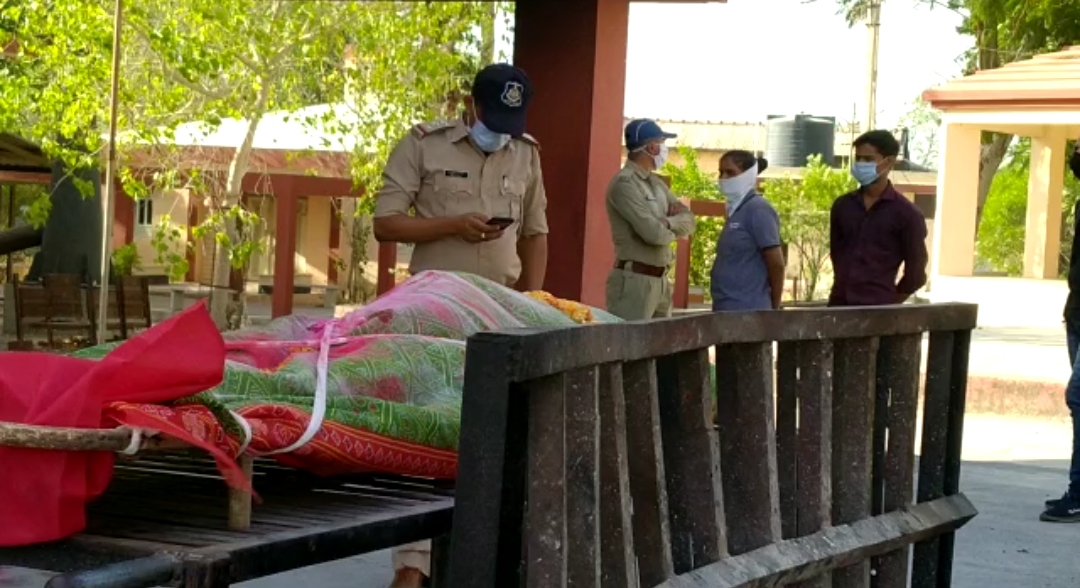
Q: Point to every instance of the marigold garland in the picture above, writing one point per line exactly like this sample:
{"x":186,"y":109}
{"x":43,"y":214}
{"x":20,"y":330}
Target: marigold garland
{"x":577,"y":311}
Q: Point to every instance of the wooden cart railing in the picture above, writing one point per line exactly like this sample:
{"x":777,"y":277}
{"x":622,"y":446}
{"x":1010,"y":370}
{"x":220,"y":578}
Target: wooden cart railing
{"x":589,"y":455}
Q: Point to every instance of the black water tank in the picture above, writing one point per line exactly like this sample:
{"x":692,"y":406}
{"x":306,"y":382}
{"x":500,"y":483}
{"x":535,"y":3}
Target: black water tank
{"x":791,"y":139}
{"x":71,"y":243}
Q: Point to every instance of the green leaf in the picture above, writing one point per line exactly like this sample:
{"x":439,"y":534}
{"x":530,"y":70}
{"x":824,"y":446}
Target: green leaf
{"x":688,"y":180}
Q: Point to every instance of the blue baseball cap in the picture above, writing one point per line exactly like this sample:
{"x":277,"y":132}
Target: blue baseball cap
{"x":642,"y":131}
{"x":503,"y":93}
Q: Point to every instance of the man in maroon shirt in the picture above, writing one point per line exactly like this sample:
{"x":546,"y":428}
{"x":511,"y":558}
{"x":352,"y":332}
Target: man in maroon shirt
{"x":874,"y":230}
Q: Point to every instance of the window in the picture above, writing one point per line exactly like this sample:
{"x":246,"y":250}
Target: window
{"x":144,"y":212}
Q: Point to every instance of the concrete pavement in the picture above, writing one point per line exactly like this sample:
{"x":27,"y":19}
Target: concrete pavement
{"x":1020,"y":353}
{"x":1011,"y":466}
{"x":1006,"y":546}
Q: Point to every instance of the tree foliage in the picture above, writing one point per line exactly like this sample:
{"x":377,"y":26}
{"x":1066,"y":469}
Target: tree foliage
{"x":690,"y":181}
{"x":923,"y":124}
{"x":1000,"y":246}
{"x":804,"y":206}
{"x":215,"y":60}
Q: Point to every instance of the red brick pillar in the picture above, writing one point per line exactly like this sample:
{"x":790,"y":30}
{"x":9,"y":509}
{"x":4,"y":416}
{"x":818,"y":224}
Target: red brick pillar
{"x":285,"y":202}
{"x":192,"y":222}
{"x":335,"y":241}
{"x":576,"y":58}
{"x":123,"y":217}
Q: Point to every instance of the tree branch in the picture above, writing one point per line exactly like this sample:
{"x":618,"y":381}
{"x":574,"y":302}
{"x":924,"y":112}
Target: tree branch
{"x":250,"y":64}
{"x":219,"y":94}
{"x":175,"y":76}
{"x":953,"y":9}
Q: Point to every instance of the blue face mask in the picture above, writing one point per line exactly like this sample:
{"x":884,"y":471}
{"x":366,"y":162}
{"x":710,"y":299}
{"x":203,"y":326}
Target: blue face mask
{"x":865,"y":172}
{"x":486,"y":139}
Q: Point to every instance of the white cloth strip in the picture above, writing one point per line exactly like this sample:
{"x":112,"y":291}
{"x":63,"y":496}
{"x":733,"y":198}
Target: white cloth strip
{"x":318,"y":411}
{"x":246,"y":428}
{"x":136,"y":443}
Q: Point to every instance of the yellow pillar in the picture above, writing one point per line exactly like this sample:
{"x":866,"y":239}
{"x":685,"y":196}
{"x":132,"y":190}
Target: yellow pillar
{"x":953,"y":252}
{"x":1042,"y":236}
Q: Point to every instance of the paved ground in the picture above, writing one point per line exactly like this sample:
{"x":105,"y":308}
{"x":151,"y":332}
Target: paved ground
{"x":1020,"y":353}
{"x":1012,"y":466}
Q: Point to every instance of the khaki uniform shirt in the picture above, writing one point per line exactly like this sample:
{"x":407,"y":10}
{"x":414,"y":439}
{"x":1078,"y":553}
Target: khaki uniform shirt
{"x":637,"y":203}
{"x":436,"y":171}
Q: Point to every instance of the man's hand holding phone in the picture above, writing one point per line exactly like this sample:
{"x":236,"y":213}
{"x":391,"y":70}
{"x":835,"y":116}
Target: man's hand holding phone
{"x":502,"y":222}
{"x":478,"y":227}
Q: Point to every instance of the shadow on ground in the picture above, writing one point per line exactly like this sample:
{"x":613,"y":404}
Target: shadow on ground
{"x":1006,"y":546}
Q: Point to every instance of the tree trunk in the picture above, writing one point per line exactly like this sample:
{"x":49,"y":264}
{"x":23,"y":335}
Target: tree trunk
{"x":487,"y":33}
{"x":220,"y":311}
{"x":357,"y":287}
{"x":993,"y":152}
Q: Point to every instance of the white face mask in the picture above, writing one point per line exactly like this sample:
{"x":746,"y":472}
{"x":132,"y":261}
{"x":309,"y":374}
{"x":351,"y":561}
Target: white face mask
{"x":661,"y":158}
{"x":735,"y":189}
{"x":487,"y":140}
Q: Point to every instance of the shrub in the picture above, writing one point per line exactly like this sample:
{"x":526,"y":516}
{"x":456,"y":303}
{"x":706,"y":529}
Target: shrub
{"x":690,"y":181}
{"x":804,"y":208}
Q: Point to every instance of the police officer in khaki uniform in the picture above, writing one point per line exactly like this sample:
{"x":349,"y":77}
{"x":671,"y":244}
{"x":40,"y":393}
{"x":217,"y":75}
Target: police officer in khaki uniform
{"x":474,"y":186}
{"x":476,"y":192}
{"x":645,"y":218}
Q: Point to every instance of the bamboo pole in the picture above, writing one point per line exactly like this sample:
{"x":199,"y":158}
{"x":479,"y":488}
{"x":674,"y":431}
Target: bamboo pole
{"x":109,"y":204}
{"x":64,"y":438}
{"x":72,"y":439}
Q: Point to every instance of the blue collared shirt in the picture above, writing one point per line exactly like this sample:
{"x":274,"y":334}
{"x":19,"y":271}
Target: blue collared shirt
{"x":740,"y":278}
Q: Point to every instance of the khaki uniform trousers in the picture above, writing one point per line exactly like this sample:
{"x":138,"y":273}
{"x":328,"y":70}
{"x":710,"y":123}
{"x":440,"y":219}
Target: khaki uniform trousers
{"x":632,"y":296}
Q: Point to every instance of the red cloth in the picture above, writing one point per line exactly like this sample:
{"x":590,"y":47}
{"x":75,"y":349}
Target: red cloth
{"x":43,"y":494}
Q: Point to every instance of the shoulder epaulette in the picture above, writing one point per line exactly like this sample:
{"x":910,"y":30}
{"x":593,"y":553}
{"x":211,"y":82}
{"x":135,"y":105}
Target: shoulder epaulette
{"x":531,"y":140}
{"x":424,"y":129}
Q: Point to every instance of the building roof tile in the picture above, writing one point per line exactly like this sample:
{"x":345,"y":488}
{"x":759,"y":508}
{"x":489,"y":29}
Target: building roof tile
{"x":1047,"y":80}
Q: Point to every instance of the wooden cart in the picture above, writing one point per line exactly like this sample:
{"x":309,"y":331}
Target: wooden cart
{"x":600,"y":468}
{"x":168,"y":519}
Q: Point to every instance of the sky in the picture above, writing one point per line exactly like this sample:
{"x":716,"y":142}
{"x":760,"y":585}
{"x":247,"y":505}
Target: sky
{"x":747,"y":59}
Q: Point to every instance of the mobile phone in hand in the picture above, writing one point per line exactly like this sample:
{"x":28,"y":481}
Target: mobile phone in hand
{"x":501,"y":222}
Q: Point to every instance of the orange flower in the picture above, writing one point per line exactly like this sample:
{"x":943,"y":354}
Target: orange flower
{"x":577,"y":311}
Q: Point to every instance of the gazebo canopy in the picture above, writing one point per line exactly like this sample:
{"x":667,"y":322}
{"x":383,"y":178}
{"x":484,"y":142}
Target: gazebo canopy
{"x":1037,"y":98}
{"x":1043,"y":90}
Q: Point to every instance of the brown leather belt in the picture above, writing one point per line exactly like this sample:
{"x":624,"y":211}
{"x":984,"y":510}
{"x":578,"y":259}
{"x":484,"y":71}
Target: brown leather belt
{"x":641,"y":268}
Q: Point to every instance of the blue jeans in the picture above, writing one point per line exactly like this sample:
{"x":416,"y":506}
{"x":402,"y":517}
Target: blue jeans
{"x":1072,"y":400}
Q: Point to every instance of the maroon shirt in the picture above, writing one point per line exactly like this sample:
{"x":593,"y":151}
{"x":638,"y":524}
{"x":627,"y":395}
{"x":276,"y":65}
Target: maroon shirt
{"x":868,"y":246}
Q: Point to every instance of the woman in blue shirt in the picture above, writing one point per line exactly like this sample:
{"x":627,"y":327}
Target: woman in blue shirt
{"x":748,"y":273}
